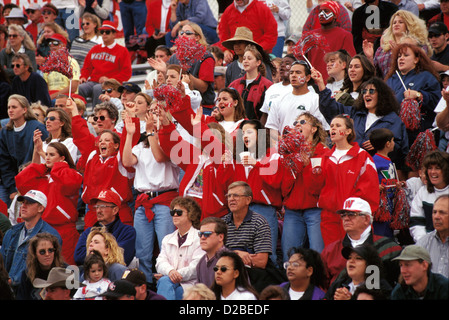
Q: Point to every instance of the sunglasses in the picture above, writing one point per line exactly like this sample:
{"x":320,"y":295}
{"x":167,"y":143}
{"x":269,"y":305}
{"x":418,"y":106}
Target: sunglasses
{"x":102,"y":118}
{"x":49,"y":250}
{"x":16,"y":65}
{"x":301,"y":122}
{"x":370,"y":91}
{"x":30,"y":11}
{"x":54,"y":43}
{"x":178,"y":212}
{"x":106,"y":90}
{"x":50,"y":118}
{"x":47,"y":12}
{"x":188,"y":33}
{"x":222,"y":269}
{"x":12,"y":36}
{"x":102,"y":206}
{"x":206,"y":234}
{"x":105,"y":31}
{"x":85,"y":24}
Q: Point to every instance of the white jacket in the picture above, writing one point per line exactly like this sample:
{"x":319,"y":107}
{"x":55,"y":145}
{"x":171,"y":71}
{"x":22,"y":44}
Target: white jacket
{"x":183,"y":259}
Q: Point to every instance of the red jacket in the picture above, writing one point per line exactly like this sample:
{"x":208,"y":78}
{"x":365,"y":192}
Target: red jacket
{"x":112,"y":62}
{"x":253,"y":96}
{"x":299,"y":192}
{"x":257,"y":17}
{"x":154,"y":16}
{"x":355,"y":175}
{"x":265,"y":178}
{"x":192,"y":160}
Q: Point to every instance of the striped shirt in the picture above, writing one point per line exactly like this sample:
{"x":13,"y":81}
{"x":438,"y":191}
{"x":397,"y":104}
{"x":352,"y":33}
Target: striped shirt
{"x":438,"y":250}
{"x":252,"y":236}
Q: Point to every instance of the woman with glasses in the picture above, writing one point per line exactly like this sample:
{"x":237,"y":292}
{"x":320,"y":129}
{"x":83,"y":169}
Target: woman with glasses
{"x":59,"y":180}
{"x":43,"y":46}
{"x":302,"y":216}
{"x":180,"y":251}
{"x":231,"y":279}
{"x":376,"y":107}
{"x":44,"y":253}
{"x":18,"y":41}
{"x":306,"y":274}
{"x":59,"y":127}
{"x":90,"y":37}
{"x":156,"y":182}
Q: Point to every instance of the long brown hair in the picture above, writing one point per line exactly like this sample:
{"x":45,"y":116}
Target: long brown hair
{"x":66,"y":129}
{"x":239,"y":112}
{"x":62,"y":150}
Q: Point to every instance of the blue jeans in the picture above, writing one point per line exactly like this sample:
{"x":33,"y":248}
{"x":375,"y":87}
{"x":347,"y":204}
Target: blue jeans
{"x":298,"y":224}
{"x":278,"y":49}
{"x":269,"y":213}
{"x":134,"y":16}
{"x":159,"y":226}
{"x":168,"y":289}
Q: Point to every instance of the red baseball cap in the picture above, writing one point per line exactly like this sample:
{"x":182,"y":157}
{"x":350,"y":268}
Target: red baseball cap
{"x":108,"y":196}
{"x":58,"y":37}
{"x":109,"y":25}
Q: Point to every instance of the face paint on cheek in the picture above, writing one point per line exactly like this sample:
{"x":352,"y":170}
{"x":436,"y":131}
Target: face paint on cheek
{"x":341,"y":133}
{"x":302,"y":80}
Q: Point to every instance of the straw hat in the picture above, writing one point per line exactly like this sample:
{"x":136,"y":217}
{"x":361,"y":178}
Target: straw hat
{"x":241,"y":34}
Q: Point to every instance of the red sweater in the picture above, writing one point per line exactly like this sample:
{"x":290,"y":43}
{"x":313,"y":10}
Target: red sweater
{"x":111,"y":61}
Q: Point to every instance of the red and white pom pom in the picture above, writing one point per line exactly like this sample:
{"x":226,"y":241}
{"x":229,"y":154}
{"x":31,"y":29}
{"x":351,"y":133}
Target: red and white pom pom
{"x":171,"y":95}
{"x":309,"y":40}
{"x":188,"y":52}
{"x":59,"y":61}
{"x":294,"y":148}
{"x":424,"y":143}
{"x":411,"y":114}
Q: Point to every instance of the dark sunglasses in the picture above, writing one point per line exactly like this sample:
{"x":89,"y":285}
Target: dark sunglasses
{"x":178,"y":212}
{"x":43,"y":251}
{"x":222,"y":269}
{"x":85,"y":24}
{"x":105,"y":31}
{"x":102,"y":118}
{"x":370,"y":91}
{"x":54,"y":43}
{"x":30,"y":11}
{"x":206,"y":234}
{"x":50,"y":118}
{"x":106,"y":90}
{"x":188,"y":33}
{"x":16,"y":65}
{"x":13,"y":36}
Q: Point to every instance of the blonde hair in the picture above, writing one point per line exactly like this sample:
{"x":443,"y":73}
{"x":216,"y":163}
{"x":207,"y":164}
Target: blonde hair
{"x":27,"y":41}
{"x":198,"y":31}
{"x":56,"y":28}
{"x":23,"y":101}
{"x":416,"y":28}
{"x":115,"y":254}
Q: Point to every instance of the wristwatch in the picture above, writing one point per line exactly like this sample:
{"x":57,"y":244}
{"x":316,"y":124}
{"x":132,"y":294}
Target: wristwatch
{"x":149,"y":134}
{"x":418,"y":95}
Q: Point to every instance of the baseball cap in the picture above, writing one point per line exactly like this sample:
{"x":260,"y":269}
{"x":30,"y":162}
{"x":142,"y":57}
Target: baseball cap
{"x":361,"y":250}
{"x":34,"y":6}
{"x":108,"y":196}
{"x":219,"y":71}
{"x":120,"y":288}
{"x":414,"y":252}
{"x":438,"y":28}
{"x":135,"y":276}
{"x":58,"y":37}
{"x":354,"y":204}
{"x":129,"y":86}
{"x":34,"y":196}
{"x":108,"y":25}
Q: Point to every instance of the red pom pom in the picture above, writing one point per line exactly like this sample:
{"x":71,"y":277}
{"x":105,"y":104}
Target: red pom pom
{"x":424,"y":143}
{"x":309,"y":40}
{"x":170,"y":95}
{"x":401,"y":213}
{"x":294,"y":149}
{"x":59,"y":61}
{"x":411,"y":114}
{"x":188,"y":52}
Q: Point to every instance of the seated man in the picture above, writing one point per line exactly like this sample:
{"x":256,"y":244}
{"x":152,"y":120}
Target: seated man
{"x":104,"y":61}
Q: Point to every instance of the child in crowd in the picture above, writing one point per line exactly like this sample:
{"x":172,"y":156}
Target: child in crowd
{"x":95,"y":282}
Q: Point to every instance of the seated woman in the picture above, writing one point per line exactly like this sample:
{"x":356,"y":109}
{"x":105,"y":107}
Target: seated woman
{"x":363,"y":262}
{"x":180,"y":251}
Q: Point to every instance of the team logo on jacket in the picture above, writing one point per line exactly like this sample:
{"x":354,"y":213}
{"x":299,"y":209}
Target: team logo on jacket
{"x":103,"y":56}
{"x":301,"y":107}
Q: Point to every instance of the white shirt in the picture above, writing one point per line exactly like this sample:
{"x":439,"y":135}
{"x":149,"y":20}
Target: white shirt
{"x":73,"y":149}
{"x":335,"y":87}
{"x":240,"y":295}
{"x":370,"y":119}
{"x":287,"y":109}
{"x":295,"y":295}
{"x":274,"y":92}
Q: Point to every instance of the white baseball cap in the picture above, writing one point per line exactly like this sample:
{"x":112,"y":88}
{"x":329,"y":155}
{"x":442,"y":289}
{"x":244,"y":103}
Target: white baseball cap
{"x":356,"y":205}
{"x":34,"y":196}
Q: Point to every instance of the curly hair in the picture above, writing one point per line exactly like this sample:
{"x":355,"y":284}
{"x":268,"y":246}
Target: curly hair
{"x":440,"y":159}
{"x":312,"y":259}
{"x":192,"y":207}
{"x":115,"y":254}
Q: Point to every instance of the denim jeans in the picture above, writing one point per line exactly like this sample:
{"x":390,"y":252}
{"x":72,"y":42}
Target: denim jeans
{"x":299,"y":224}
{"x":278,"y":49}
{"x":269,"y":213}
{"x":168,"y":289}
{"x":146,"y":231}
{"x":134,"y":16}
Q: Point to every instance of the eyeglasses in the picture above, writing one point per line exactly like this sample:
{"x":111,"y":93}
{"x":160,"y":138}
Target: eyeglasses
{"x":352,"y":214}
{"x":102,"y":118}
{"x":222,"y":269}
{"x":106,"y":90}
{"x":47,"y":12}
{"x":291,"y":264}
{"x":50,"y":118}
{"x":102,"y":206}
{"x":178,"y":212}
{"x":12,"y":36}
{"x":370,"y":91}
{"x":30,"y":11}
{"x":49,"y":250}
{"x":234,"y":195}
{"x":16,"y":65}
{"x":206,"y":234}
{"x":433,"y":35}
{"x":301,"y":122}
{"x":85,"y":24}
{"x":188,"y":33}
{"x":54,"y":43}
{"x":105,"y":31}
